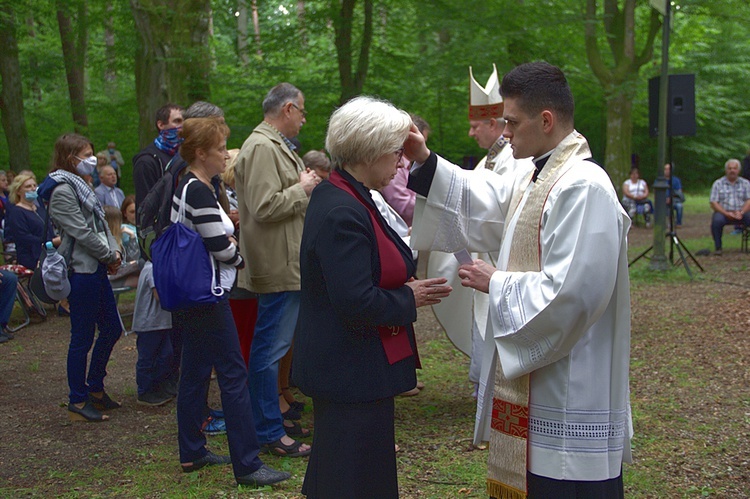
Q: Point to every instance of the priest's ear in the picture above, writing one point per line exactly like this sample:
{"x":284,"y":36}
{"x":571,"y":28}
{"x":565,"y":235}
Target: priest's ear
{"x":549,"y":120}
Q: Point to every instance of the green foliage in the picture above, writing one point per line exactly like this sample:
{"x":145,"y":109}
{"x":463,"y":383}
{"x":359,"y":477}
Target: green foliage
{"x":419,"y":60}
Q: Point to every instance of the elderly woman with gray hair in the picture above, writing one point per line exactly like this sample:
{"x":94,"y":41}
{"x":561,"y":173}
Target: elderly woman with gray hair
{"x":354,"y":342}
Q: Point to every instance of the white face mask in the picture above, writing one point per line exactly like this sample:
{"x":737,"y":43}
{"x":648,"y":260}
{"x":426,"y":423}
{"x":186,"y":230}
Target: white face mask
{"x":86,"y":166}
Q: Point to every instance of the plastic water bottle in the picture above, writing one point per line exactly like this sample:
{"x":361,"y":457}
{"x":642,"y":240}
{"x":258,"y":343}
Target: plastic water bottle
{"x":50,"y":248}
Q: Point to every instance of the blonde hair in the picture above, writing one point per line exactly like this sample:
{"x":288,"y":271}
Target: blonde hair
{"x":228,"y":176}
{"x":15,"y":193}
{"x":364,"y":129}
{"x":113,"y":215}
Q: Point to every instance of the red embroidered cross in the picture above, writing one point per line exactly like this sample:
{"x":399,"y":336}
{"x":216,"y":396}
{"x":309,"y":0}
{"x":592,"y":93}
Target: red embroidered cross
{"x":510,"y":419}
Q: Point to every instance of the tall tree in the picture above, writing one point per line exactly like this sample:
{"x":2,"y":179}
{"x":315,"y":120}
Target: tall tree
{"x":74,"y":41}
{"x":173,"y":58}
{"x":242,"y":32}
{"x":352,"y":82}
{"x":619,"y":77}
{"x":256,"y":28}
{"x":110,"y":69}
{"x":11,"y":95}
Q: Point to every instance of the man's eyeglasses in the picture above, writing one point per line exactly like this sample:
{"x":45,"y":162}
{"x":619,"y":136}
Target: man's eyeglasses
{"x":304,"y":113}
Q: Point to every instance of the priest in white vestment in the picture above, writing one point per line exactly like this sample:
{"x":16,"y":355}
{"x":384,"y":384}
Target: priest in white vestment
{"x":463,"y":314}
{"x":553,"y":397}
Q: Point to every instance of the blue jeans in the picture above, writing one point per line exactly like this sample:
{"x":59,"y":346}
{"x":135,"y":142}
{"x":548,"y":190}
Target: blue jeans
{"x":210,"y":340}
{"x":274,"y":330}
{"x":154,"y":359}
{"x":678,"y":213}
{"x":92,"y":304}
{"x":7,"y":295}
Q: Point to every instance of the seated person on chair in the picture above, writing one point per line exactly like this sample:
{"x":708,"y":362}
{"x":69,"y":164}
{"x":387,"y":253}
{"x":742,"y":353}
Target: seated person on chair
{"x":24,"y":221}
{"x":730,"y":200}
{"x":678,"y":197}
{"x":635,"y":196}
{"x":8,"y":282}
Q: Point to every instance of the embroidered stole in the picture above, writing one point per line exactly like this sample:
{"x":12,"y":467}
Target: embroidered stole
{"x":509,"y":428}
{"x":393,"y":273}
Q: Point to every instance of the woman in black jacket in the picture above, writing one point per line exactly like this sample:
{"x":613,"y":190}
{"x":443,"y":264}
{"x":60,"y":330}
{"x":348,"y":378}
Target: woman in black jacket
{"x":354,"y":342}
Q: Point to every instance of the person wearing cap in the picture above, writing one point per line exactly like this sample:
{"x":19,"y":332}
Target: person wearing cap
{"x":554,"y":399}
{"x":91,"y":254}
{"x":463,"y":315}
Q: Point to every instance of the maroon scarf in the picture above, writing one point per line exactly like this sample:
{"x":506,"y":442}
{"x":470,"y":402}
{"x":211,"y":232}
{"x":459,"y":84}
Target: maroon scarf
{"x":393,"y":273}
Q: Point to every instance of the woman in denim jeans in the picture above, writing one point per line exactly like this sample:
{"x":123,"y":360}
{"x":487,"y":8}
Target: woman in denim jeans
{"x":91,"y":252}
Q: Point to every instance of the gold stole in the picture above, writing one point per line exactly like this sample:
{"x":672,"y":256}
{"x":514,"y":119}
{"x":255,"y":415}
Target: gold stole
{"x":509,"y":429}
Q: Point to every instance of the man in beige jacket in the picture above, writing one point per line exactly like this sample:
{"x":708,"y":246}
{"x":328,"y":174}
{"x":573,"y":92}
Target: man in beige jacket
{"x":273,"y":189}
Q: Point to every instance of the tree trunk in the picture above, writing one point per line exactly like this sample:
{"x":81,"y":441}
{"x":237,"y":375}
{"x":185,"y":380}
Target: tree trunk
{"x":150,"y":70}
{"x":74,"y":55}
{"x":302,"y":23}
{"x":242,"y":32}
{"x":173,"y":58}
{"x":619,"y":124}
{"x":352,"y":83}
{"x":11,"y":95}
{"x":36,"y":90}
{"x":110,"y":71}
{"x":256,"y":28}
{"x":619,"y":78}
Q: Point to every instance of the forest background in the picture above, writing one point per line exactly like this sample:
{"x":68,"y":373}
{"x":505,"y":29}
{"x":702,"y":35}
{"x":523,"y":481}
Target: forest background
{"x":103,"y":67}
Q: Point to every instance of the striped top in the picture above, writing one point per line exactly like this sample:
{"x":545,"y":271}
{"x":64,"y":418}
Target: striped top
{"x":203,"y":216}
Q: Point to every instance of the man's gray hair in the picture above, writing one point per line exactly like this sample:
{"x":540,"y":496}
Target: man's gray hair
{"x":202,"y":109}
{"x":278,"y":96}
{"x":364,"y":129}
{"x":732,"y":161}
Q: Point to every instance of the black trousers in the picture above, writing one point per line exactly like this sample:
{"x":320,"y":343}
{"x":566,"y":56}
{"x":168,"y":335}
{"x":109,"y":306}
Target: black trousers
{"x":547,"y":488}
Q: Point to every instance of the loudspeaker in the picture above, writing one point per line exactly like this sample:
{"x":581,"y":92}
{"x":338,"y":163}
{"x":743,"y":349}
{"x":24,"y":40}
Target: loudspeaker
{"x":680,"y":105}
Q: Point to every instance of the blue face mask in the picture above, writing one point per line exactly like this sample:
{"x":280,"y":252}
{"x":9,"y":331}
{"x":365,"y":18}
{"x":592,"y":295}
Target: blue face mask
{"x":31,"y":195}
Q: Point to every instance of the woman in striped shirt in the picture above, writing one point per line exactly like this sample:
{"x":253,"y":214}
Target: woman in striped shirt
{"x":208,"y":331}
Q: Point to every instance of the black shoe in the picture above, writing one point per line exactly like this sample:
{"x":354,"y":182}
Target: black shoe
{"x":86,"y":413}
{"x":7,"y":333}
{"x":103,"y":403}
{"x":154,"y":399}
{"x":4,"y":337}
{"x":263,"y":476}
{"x":210,"y":459}
{"x":170,"y":386}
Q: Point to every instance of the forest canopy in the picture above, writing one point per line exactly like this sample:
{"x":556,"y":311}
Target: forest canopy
{"x":102,"y":67}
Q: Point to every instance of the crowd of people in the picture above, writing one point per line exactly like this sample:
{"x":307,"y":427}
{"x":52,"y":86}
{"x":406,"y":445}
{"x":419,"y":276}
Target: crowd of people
{"x":315,"y":261}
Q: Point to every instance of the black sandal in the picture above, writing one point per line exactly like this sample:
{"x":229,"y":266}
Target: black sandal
{"x":103,"y":403}
{"x":87,"y":413}
{"x":296,"y":430}
{"x":291,"y":450}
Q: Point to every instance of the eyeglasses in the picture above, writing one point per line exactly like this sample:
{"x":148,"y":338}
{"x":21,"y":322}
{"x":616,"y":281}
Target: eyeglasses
{"x":399,"y":155}
{"x":304,"y":113}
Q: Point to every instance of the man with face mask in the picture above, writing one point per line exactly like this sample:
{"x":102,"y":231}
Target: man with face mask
{"x":149,"y":164}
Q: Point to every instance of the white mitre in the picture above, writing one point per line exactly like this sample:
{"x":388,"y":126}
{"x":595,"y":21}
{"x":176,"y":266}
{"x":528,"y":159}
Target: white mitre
{"x":485,"y":102}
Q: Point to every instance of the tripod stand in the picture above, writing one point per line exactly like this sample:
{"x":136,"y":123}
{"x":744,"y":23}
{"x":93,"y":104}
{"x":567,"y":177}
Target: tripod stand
{"x":674,"y":240}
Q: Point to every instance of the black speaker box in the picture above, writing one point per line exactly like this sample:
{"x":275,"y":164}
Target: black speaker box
{"x":680,"y":105}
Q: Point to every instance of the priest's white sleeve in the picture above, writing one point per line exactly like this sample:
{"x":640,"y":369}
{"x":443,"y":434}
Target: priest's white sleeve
{"x":538,"y":317}
{"x":464,"y":209}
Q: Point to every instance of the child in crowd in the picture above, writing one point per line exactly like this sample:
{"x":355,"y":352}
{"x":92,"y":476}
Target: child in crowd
{"x":127,"y":274}
{"x":153,"y":325}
